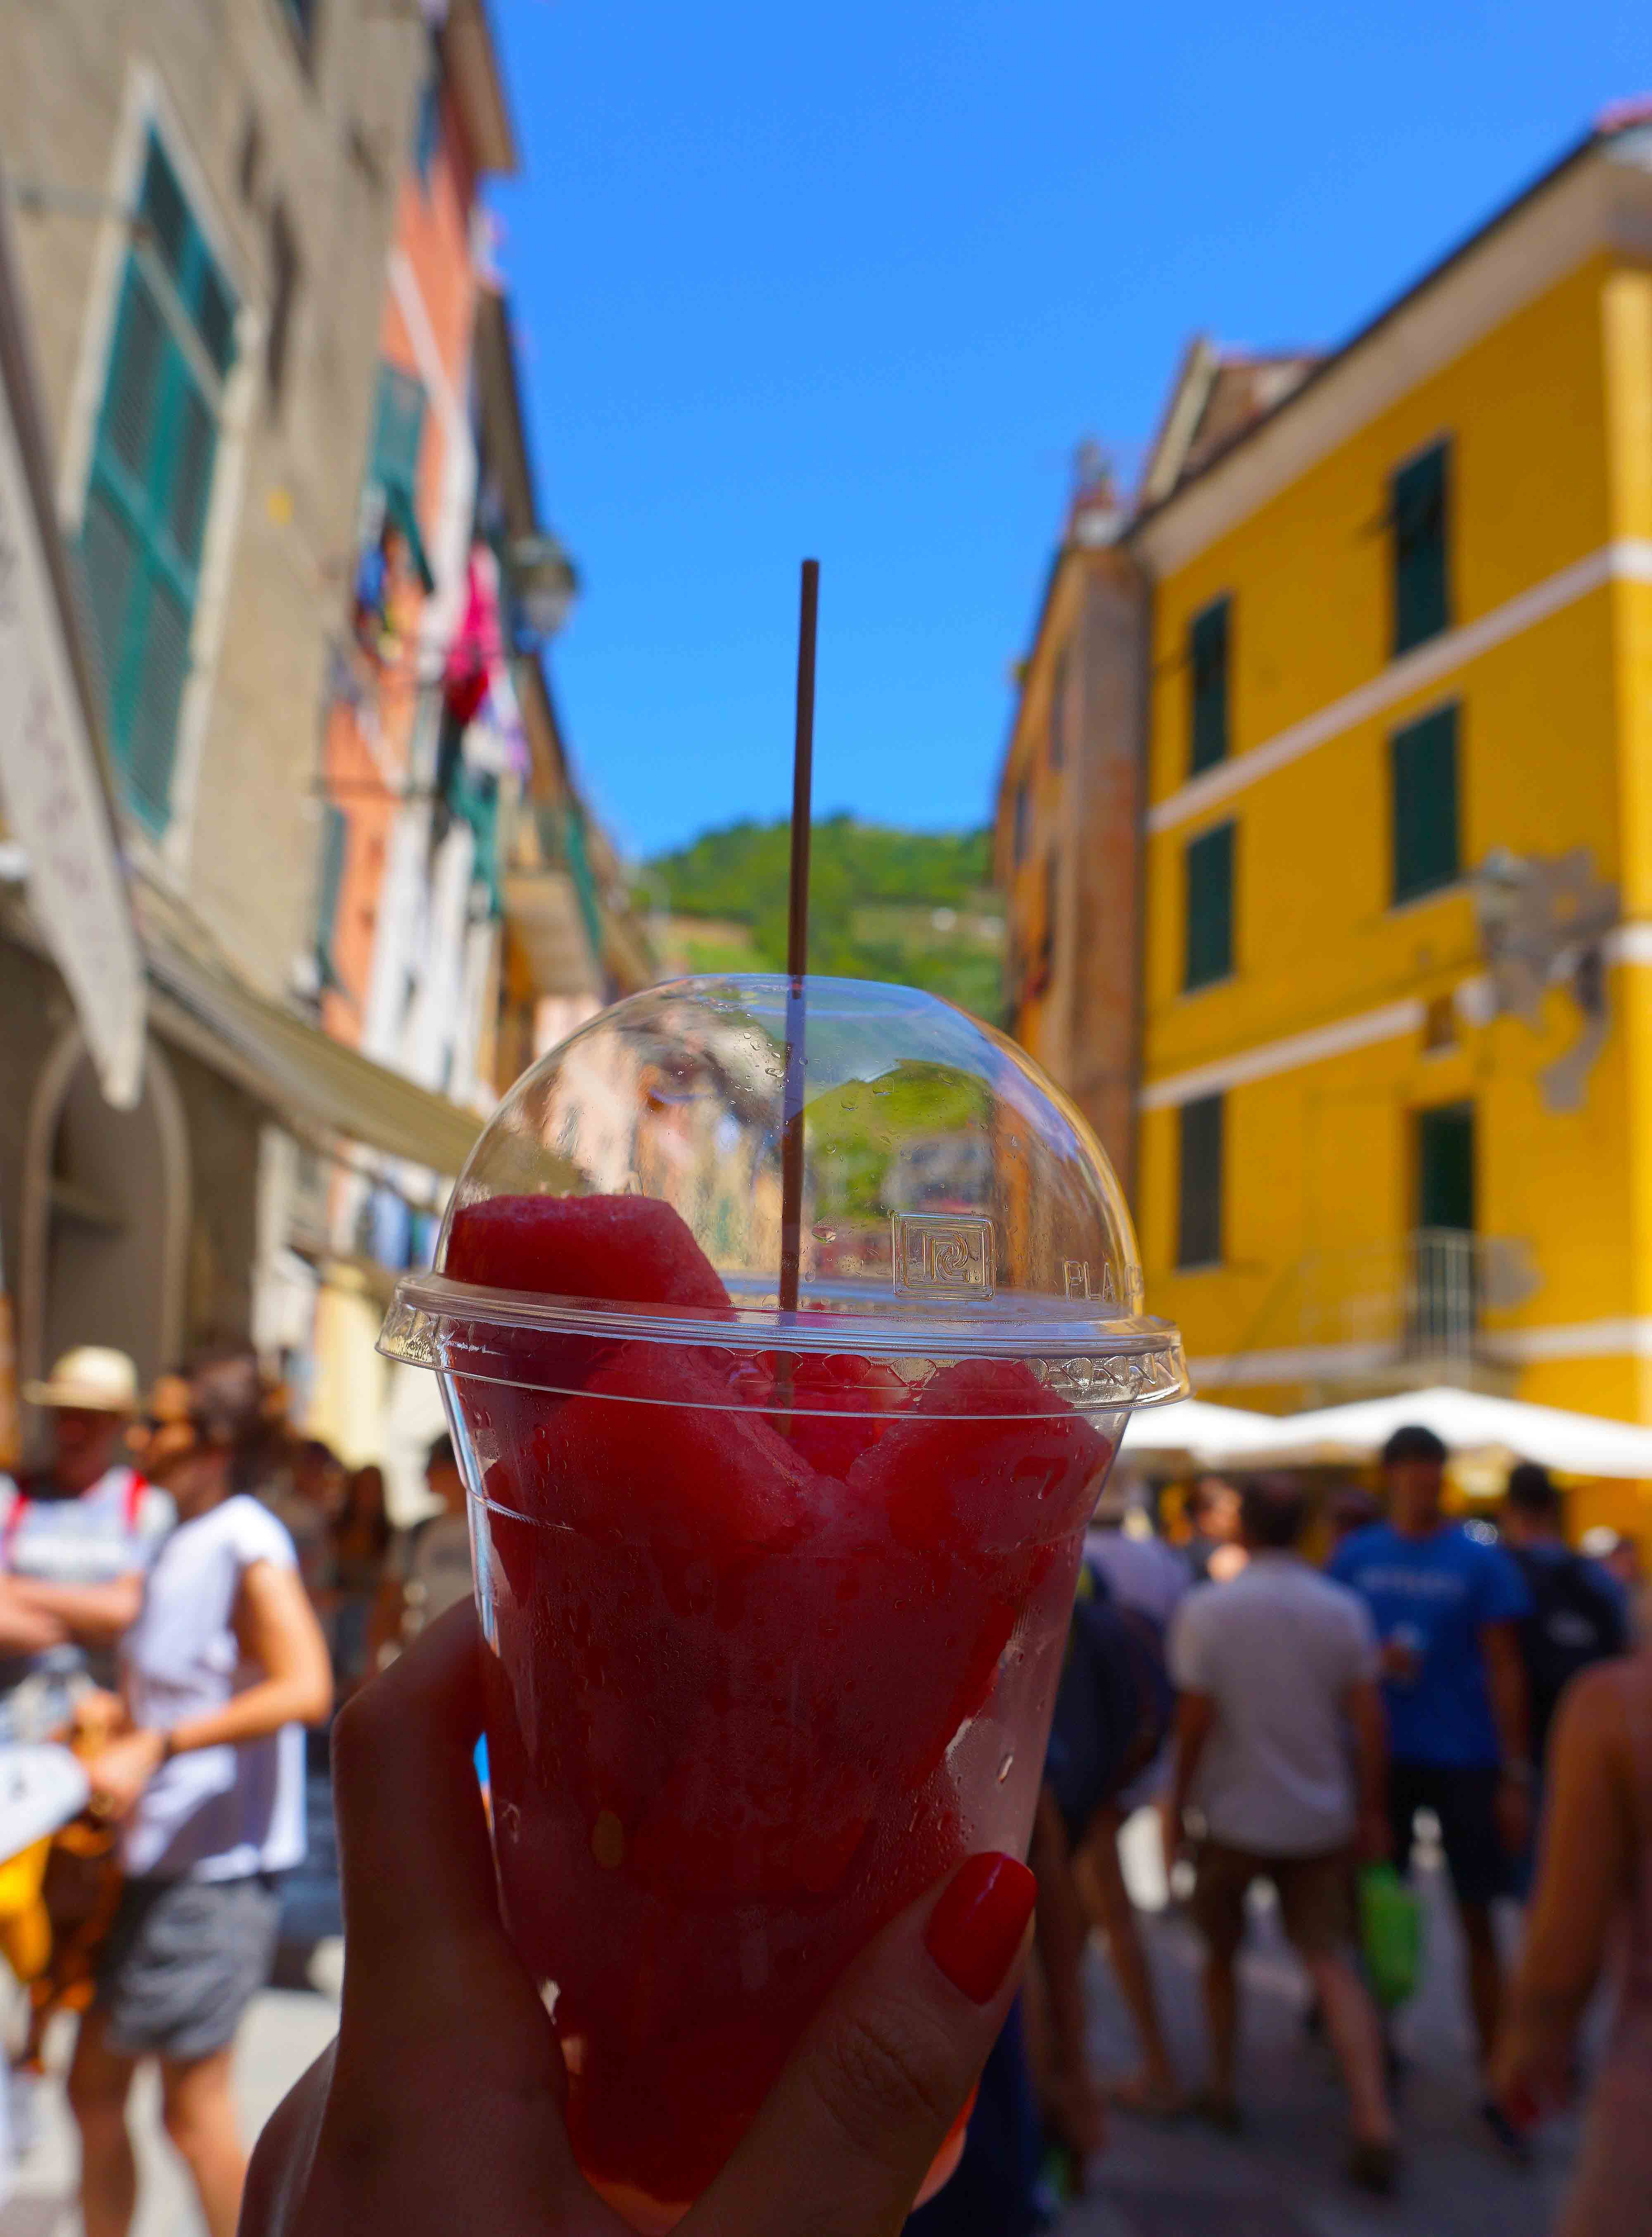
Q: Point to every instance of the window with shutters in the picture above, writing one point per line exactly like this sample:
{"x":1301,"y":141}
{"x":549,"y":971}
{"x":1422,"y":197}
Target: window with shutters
{"x":1417,"y":511}
{"x":1208,"y":681}
{"x":152,"y":456}
{"x":1210,"y":908}
{"x":392,"y":469}
{"x":1045,"y":964}
{"x":427,"y":122}
{"x":1021,"y":826}
{"x":1423,"y":788}
{"x":300,"y":14}
{"x":1058,"y":712}
{"x":1199,"y":1189}
{"x":335,"y":848}
{"x":284,"y":280}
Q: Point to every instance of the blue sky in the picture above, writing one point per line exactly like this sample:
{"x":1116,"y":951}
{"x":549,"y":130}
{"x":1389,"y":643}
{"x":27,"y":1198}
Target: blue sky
{"x":854,"y":281}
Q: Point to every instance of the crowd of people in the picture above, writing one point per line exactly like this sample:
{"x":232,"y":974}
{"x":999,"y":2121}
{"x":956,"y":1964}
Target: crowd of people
{"x":1297,"y":1723}
{"x":185,"y":1586}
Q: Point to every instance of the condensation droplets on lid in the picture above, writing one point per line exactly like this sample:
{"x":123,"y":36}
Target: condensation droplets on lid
{"x":954,"y":1201}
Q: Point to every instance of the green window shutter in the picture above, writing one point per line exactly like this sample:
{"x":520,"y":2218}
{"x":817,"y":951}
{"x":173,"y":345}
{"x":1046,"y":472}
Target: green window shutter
{"x":161,"y":206}
{"x":134,"y":376}
{"x":1058,"y":712}
{"x":399,"y":429}
{"x":216,"y":317}
{"x":1423,"y":778}
{"x":152,"y":732}
{"x":1446,"y":1167}
{"x":150,"y":485}
{"x":1207,"y":671}
{"x":107,"y":556}
{"x":1417,"y":509}
{"x":1210,"y":908}
{"x":1199,"y":1196}
{"x":191,"y":475}
{"x":335,"y":848}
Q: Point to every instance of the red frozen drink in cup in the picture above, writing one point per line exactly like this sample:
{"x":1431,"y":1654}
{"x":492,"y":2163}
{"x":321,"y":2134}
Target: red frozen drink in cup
{"x":776,"y":1599}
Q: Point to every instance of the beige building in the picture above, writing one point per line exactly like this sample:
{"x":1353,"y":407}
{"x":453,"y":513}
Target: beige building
{"x":200,"y":207}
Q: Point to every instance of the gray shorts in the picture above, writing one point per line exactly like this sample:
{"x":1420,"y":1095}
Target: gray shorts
{"x":183,"y":1960}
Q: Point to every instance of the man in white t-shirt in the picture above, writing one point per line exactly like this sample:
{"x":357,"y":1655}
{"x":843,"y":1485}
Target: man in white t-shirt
{"x":76,"y":1536}
{"x":224,"y":1666}
{"x":1276,"y":1670}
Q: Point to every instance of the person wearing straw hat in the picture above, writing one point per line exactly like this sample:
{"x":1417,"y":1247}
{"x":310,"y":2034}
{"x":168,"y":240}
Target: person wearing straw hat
{"x":77,"y":1537}
{"x":224,"y":1668}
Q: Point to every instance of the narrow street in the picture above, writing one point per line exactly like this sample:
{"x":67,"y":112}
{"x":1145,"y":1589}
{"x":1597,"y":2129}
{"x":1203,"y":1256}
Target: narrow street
{"x":1281,"y":2179}
{"x":287,"y":2029}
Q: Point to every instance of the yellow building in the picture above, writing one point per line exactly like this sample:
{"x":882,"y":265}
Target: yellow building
{"x":1400,"y":623}
{"x":1394,"y":1101}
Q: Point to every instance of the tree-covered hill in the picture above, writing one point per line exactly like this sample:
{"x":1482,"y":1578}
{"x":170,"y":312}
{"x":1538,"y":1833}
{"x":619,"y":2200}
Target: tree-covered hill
{"x":915,"y":906}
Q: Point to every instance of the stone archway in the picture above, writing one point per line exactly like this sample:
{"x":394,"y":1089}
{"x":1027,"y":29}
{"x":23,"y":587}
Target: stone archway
{"x":105,"y":1215}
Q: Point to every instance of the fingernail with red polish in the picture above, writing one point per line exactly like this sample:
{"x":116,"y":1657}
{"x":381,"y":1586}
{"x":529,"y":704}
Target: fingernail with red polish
{"x":975,"y":1930}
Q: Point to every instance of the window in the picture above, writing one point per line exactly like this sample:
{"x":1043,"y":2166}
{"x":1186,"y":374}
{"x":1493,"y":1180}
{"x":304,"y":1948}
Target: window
{"x":392,"y":466}
{"x":1021,"y":830}
{"x":1207,"y":674}
{"x":1052,"y":899}
{"x":251,"y":164}
{"x":283,"y":280}
{"x":427,"y":123}
{"x":1210,"y":908}
{"x":1058,"y":712}
{"x":1416,"y":508}
{"x":398,"y":430}
{"x":1199,"y":1191}
{"x":152,"y":456}
{"x":1423,"y":781}
{"x":335,"y":848}
{"x":301,"y":14}
{"x":1446,"y":1167}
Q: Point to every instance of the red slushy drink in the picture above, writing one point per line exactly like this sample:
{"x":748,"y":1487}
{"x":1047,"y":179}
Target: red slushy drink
{"x":777,"y":1606}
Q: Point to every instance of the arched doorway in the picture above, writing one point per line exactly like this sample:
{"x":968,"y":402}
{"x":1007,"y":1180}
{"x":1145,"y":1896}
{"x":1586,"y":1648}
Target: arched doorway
{"x":105,"y":1215}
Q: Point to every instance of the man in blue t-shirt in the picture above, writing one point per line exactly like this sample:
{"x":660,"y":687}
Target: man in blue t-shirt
{"x":1447,"y":1604}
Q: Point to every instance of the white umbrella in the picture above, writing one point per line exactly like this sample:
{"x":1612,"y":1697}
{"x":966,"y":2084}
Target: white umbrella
{"x":1189,"y":1428}
{"x":1463,"y":1421}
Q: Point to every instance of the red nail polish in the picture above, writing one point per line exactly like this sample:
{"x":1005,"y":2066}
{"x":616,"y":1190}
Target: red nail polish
{"x":975,"y":1930}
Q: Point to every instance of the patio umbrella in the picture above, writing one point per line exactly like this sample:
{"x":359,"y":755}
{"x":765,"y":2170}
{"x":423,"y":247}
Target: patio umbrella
{"x":1464,"y":1420}
{"x":1189,"y":1430}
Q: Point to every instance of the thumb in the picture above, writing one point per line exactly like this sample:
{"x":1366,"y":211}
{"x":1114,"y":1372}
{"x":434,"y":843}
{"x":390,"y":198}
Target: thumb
{"x":845,"y":2136}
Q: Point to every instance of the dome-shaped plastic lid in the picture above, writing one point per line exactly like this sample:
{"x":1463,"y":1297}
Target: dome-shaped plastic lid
{"x":954,"y":1203}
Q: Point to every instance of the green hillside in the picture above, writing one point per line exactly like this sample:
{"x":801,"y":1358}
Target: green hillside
{"x":915,"y":906}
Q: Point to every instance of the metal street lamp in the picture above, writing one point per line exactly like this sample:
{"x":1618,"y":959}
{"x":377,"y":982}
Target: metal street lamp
{"x":542,"y":587}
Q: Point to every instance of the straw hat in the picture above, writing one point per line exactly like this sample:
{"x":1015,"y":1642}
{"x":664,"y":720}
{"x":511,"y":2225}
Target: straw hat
{"x":92,"y":1379}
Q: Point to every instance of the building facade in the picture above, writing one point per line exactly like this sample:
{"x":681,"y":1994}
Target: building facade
{"x":1395,"y":962}
{"x":199,"y":213}
{"x":1067,"y":837}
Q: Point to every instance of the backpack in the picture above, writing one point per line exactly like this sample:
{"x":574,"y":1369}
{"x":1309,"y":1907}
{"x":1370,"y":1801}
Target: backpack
{"x":1113,"y":1706}
{"x":1576,"y":1618}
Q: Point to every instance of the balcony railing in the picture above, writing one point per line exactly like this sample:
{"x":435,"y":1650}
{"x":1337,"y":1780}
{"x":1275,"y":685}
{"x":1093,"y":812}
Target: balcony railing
{"x":1410,"y":1310}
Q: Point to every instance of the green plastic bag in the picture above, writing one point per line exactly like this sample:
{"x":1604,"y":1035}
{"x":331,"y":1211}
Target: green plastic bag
{"x":1390,"y":1934}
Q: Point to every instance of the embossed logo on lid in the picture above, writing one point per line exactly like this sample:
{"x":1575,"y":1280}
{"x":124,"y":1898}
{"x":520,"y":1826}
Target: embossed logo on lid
{"x":942,"y":1254}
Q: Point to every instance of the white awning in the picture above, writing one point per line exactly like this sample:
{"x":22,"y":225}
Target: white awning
{"x":1464,"y":1422}
{"x":1189,"y":1430}
{"x":324,"y":1085}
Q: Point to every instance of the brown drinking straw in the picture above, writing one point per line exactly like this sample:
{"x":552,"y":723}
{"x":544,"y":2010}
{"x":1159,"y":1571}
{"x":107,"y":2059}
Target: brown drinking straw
{"x":797,"y":945}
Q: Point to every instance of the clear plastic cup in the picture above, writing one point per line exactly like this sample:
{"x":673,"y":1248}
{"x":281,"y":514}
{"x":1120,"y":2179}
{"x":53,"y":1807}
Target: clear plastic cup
{"x":777,"y":1600}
